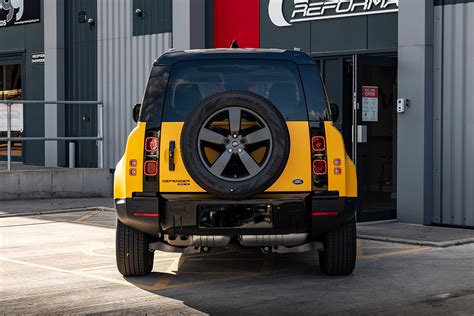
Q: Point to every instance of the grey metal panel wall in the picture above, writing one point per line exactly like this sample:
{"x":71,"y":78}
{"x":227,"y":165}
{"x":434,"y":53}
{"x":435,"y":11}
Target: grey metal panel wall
{"x":81,"y":78}
{"x":124,"y":63}
{"x":454,"y":115}
{"x":156,"y":17}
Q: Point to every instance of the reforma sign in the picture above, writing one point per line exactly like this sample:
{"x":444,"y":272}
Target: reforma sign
{"x":312,"y":10}
{"x":19,"y":12}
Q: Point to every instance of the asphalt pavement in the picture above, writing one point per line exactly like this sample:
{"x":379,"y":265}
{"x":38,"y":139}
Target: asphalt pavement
{"x":64,"y":263}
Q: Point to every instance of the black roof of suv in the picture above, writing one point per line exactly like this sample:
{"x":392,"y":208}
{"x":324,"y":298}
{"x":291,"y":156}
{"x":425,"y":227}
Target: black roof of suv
{"x":172,"y":57}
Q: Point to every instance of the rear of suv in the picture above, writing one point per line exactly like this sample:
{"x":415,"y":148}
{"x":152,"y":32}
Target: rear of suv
{"x":235,"y":148}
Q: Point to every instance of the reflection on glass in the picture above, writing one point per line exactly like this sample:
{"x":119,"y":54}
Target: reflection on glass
{"x":10,"y":89}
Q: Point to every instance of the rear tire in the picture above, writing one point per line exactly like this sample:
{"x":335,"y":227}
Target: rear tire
{"x":340,"y":249}
{"x":131,"y":251}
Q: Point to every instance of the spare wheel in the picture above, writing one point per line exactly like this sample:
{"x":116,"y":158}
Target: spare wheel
{"x":235,"y":144}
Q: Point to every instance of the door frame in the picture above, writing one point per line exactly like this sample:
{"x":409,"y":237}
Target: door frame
{"x":356,"y":96}
{"x":16,"y":58}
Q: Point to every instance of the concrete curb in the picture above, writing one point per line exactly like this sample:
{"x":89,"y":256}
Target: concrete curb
{"x":441,"y":244}
{"x":70,"y":210}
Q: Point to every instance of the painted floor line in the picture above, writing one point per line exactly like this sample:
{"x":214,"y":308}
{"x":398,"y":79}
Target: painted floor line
{"x":393,"y":253}
{"x":72,"y":272}
{"x":87,"y":216}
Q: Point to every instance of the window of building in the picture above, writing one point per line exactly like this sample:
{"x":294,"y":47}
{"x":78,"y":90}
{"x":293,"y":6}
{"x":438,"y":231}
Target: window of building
{"x":10,"y":89}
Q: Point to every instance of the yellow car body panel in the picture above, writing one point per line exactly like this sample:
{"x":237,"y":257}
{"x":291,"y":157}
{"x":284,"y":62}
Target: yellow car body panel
{"x":346,"y":181}
{"x":299,"y":161}
{"x":297,"y":167}
{"x":178,"y":180}
{"x":124,"y":183}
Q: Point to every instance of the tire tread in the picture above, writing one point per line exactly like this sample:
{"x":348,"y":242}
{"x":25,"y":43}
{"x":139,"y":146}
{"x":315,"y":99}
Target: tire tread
{"x":339,"y":254}
{"x":132,"y":254}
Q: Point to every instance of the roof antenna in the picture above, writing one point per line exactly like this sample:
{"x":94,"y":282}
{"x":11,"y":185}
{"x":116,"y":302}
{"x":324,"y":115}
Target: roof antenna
{"x":234,"y":44}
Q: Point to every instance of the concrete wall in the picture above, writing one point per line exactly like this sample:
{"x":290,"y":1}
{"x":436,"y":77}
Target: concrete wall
{"x":453,"y":108}
{"x":415,"y":126}
{"x":57,"y":183}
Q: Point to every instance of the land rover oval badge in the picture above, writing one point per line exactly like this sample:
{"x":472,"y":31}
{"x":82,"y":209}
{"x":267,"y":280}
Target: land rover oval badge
{"x":298,"y":181}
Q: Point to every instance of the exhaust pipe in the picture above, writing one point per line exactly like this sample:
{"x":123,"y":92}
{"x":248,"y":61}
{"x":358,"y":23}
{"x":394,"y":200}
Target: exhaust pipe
{"x":198,"y":240}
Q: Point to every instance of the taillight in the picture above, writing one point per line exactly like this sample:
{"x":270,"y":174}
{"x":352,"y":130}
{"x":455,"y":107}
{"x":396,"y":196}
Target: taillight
{"x":150,"y":168}
{"x":318,"y":143}
{"x":151,"y":144}
{"x":152,"y":154}
{"x":319,"y":163}
{"x":320,"y":167}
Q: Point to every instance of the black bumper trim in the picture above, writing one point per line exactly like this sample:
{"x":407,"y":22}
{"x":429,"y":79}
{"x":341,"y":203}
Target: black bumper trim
{"x":144,"y":205}
{"x":291,"y":215}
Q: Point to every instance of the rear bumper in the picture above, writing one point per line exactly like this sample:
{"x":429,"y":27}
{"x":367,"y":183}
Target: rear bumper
{"x":263,"y":215}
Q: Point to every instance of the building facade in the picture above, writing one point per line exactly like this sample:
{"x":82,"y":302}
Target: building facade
{"x":400,"y":71}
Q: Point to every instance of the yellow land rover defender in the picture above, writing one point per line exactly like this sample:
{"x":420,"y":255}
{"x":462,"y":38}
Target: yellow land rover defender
{"x":235,"y":148}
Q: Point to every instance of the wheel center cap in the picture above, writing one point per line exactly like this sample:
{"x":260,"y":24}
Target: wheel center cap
{"x":235,"y":143}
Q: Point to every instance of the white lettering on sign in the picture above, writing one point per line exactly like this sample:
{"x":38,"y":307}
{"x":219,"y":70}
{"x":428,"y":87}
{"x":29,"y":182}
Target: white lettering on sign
{"x":312,"y":10}
{"x":37,"y":58}
{"x":370,"y":104}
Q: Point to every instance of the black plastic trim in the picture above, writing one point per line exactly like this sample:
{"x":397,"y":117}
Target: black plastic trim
{"x":291,"y":214}
{"x":126,"y":207}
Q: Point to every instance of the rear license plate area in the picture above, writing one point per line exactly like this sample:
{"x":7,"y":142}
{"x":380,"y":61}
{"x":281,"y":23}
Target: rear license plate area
{"x":235,"y":216}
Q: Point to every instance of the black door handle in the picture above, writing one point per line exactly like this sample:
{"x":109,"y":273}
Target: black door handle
{"x":171,"y":162}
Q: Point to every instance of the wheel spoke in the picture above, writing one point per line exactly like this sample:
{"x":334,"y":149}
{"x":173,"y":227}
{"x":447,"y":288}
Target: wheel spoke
{"x":211,"y":136}
{"x":221,"y":162}
{"x":234,"y":120}
{"x":252,"y":167}
{"x":259,"y":136}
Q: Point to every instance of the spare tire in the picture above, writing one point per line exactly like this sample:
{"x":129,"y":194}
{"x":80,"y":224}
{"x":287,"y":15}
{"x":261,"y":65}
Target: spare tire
{"x":235,"y":144}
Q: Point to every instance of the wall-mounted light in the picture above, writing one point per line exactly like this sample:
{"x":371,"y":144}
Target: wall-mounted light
{"x":91,"y":22}
{"x":82,"y":17}
{"x":139,"y":12}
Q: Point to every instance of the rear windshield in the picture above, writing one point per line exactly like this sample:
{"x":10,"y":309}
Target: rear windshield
{"x":278,"y":81}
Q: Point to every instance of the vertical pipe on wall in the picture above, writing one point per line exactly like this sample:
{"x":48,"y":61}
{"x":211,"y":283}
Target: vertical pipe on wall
{"x":72,"y":155}
{"x":9,"y":135}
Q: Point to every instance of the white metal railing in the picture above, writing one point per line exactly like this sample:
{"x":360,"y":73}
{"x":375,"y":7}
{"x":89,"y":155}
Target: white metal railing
{"x":100,"y":128}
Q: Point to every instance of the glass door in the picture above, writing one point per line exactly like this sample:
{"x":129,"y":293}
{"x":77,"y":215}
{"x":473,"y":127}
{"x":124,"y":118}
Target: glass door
{"x":11,"y":89}
{"x":374,"y":130}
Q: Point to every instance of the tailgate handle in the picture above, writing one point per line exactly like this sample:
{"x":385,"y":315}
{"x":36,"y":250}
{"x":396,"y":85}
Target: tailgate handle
{"x":171,"y":163}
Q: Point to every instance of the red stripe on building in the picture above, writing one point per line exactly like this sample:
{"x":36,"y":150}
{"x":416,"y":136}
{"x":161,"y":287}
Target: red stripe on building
{"x":238,"y":20}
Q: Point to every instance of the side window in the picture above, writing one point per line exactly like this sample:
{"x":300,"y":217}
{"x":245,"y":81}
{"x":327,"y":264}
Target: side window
{"x":316,"y":99}
{"x":153,"y":100}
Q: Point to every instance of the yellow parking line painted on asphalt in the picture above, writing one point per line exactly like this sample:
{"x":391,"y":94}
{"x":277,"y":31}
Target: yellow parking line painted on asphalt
{"x":207,"y":282}
{"x":72,"y":272}
{"x":393,"y":253}
{"x":389,"y":247}
{"x":359,"y":252}
{"x":87,"y":216}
